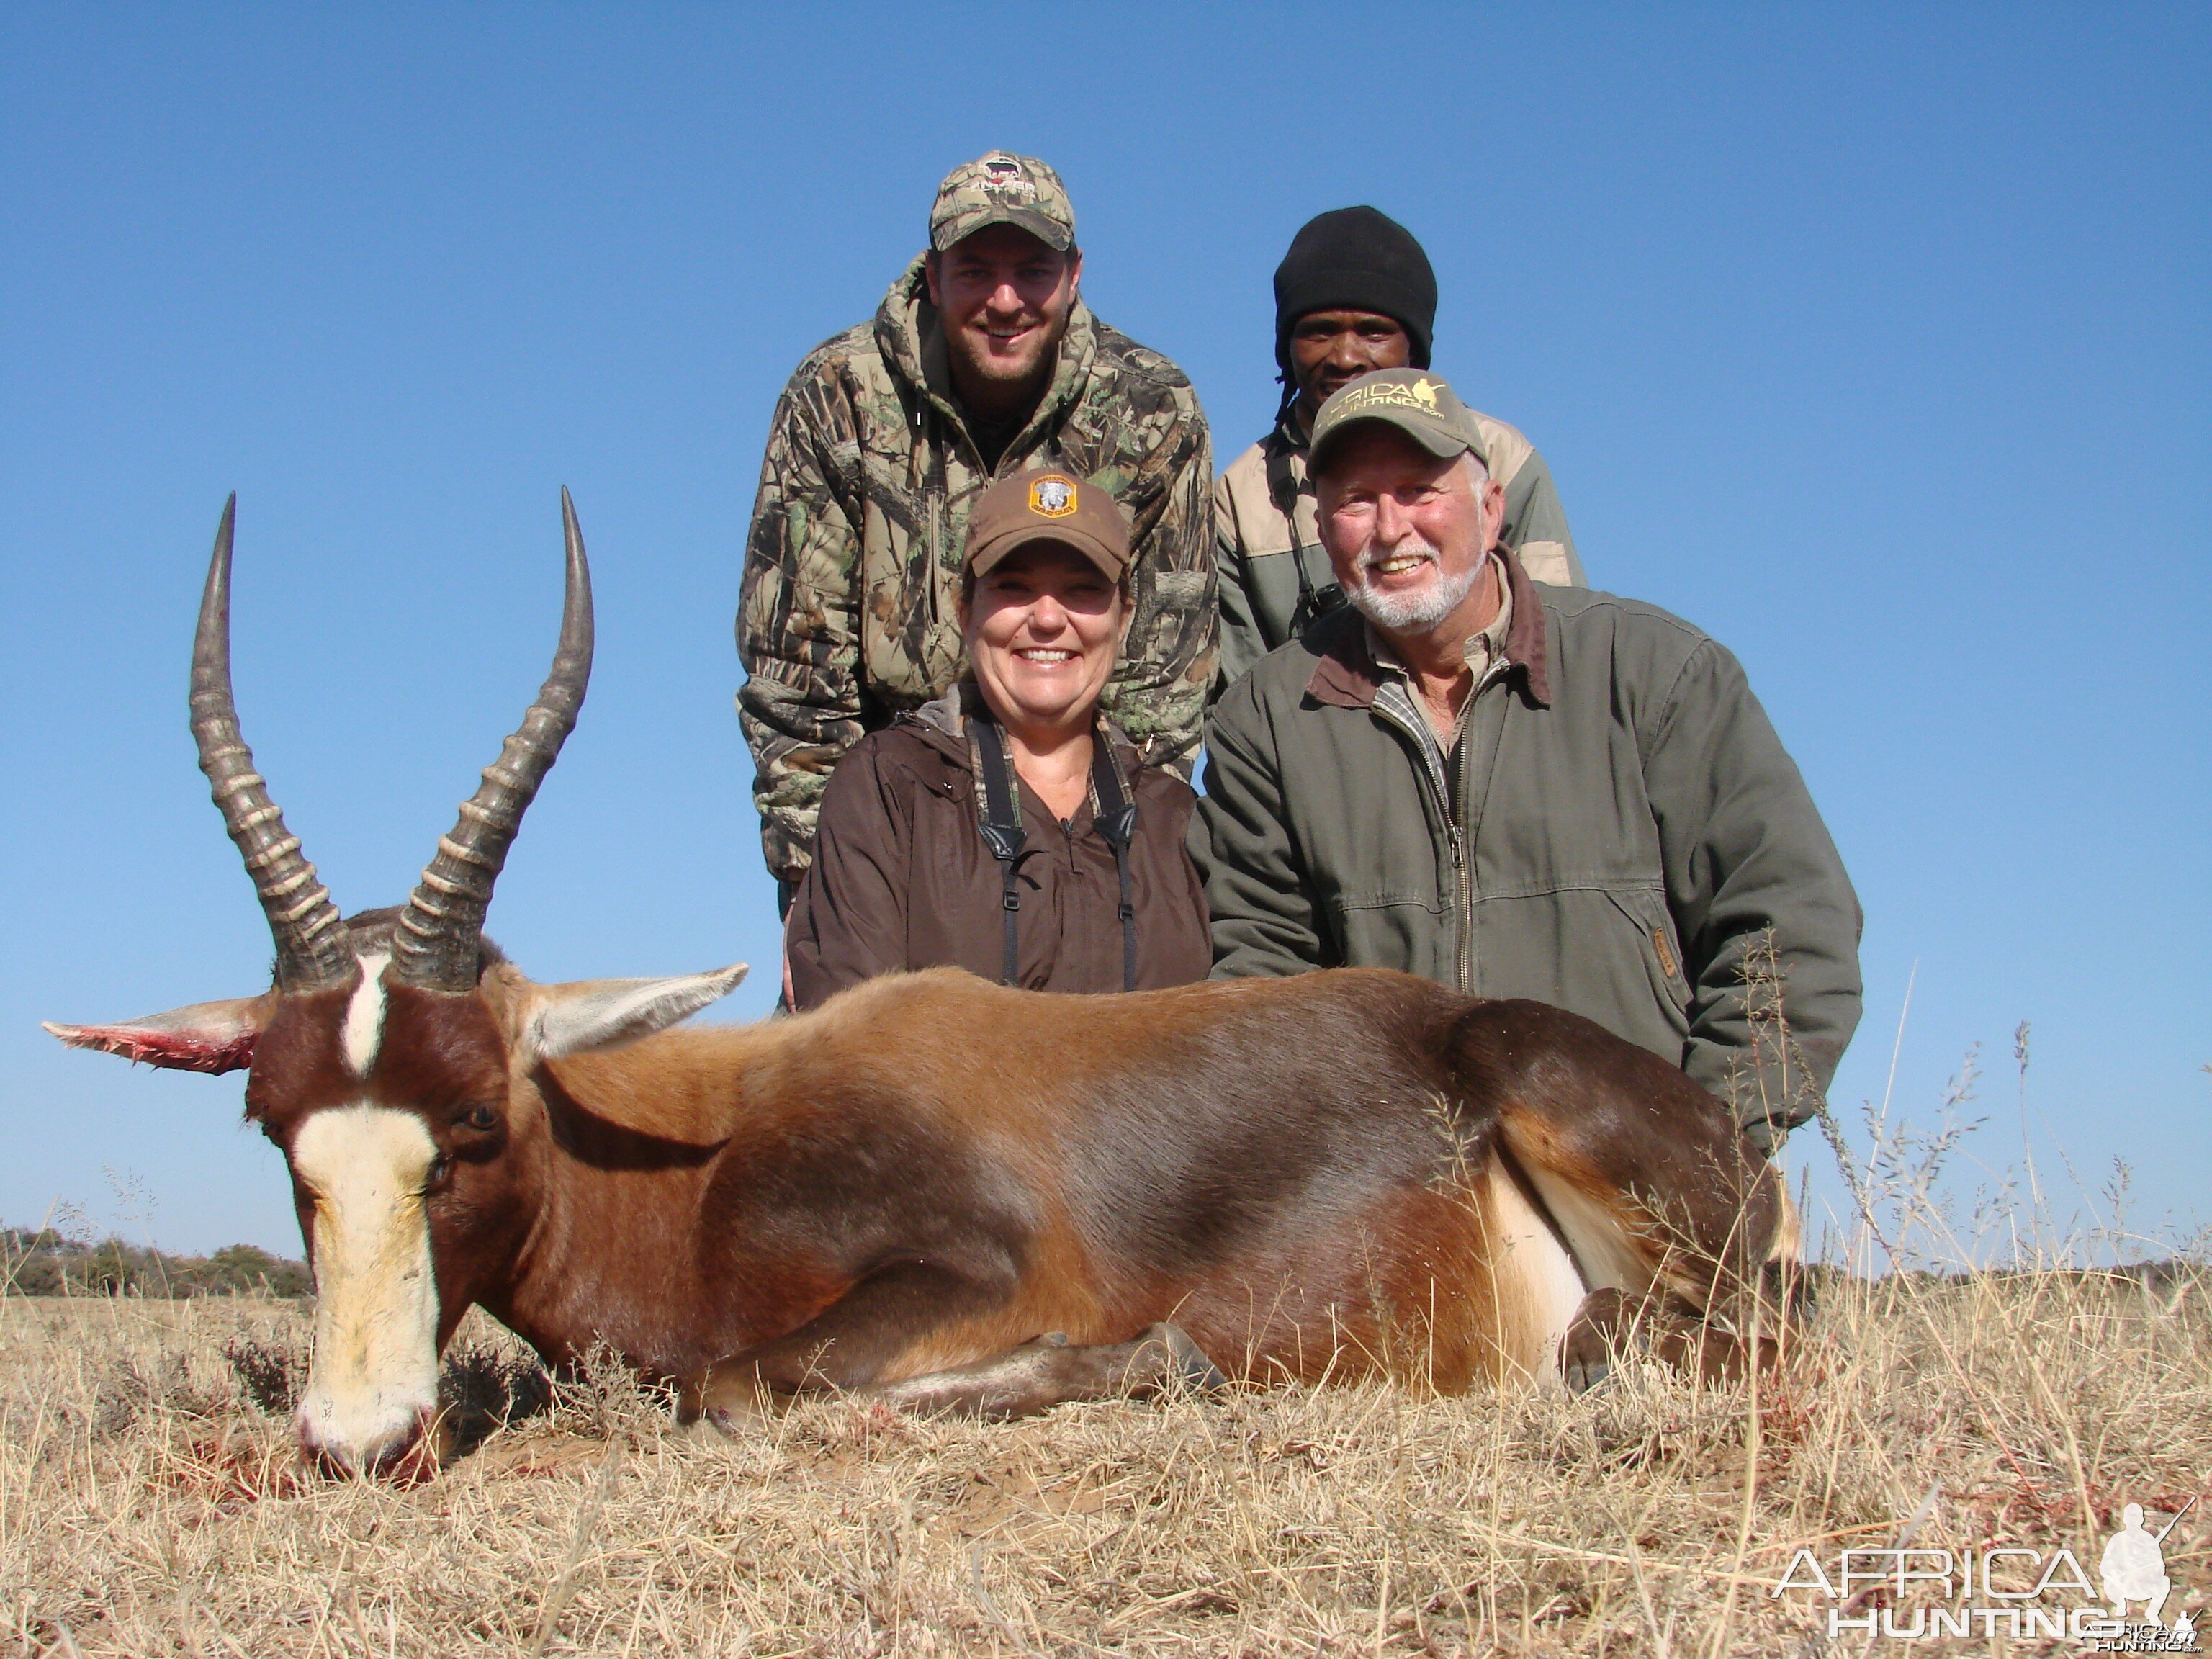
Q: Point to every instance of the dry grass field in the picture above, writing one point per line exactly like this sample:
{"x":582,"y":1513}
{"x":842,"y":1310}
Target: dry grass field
{"x":149,"y":1505}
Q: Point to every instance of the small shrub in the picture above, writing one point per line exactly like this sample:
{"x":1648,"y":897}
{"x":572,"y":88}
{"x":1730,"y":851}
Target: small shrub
{"x":133,"y":1388}
{"x":273,"y":1374}
{"x":484,"y":1389}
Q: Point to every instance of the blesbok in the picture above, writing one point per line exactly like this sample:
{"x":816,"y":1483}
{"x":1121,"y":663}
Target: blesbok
{"x":936,"y":1190}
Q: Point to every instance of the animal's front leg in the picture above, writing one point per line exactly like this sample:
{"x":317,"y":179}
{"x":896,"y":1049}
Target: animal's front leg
{"x":849,"y":1345}
{"x":1040,"y":1375}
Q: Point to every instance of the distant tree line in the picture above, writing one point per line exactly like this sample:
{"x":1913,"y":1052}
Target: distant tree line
{"x":44,"y":1262}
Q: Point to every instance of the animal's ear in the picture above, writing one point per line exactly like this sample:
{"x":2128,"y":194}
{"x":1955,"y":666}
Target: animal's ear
{"x":207,"y":1037}
{"x":604,"y":1014}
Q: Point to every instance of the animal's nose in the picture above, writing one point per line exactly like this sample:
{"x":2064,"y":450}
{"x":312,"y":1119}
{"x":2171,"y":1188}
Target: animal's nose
{"x":402,"y":1450}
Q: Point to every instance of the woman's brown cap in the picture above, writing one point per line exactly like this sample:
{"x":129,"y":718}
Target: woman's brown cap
{"x":1048,"y":506}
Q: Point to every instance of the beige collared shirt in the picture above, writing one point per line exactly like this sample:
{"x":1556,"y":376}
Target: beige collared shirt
{"x":1484,"y":651}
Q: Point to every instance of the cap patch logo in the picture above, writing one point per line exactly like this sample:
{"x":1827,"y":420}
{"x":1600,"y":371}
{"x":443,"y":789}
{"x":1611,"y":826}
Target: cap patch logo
{"x":1002,"y":178}
{"x":1052,"y":498}
{"x":1397,"y":394}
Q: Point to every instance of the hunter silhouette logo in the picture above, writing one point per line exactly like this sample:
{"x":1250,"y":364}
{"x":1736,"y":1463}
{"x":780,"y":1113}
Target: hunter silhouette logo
{"x":2134,"y":1566}
{"x":2004,"y":1590}
{"x":1052,"y":498}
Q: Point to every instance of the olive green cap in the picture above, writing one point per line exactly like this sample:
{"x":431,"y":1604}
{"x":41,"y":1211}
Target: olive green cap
{"x":1417,"y":403}
{"x":1002,"y":188}
{"x":1048,"y":506}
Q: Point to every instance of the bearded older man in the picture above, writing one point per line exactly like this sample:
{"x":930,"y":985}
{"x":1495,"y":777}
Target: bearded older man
{"x":1521,"y":791}
{"x":981,"y":362}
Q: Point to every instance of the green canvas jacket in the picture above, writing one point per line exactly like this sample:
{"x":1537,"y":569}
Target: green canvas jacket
{"x":1615,"y":832}
{"x":849,"y":611}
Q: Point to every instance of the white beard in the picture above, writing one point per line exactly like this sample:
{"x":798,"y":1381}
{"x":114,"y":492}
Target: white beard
{"x":1423,"y":607}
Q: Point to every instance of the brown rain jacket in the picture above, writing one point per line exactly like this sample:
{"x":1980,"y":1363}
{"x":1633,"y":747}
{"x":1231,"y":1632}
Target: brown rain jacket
{"x":901,"y":879}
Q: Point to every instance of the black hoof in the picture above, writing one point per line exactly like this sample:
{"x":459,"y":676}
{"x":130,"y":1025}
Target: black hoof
{"x":1583,"y":1376}
{"x":1192,"y":1366}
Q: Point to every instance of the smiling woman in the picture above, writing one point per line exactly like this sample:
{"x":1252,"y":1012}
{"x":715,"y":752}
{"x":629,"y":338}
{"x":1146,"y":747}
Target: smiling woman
{"x":1006,"y":828}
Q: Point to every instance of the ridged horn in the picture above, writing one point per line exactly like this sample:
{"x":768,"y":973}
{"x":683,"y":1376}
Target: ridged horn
{"x":312,"y":952}
{"x":435,"y":945}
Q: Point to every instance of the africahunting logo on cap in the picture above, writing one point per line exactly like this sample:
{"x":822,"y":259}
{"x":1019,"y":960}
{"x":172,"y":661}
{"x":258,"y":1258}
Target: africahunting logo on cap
{"x":1419,"y":404}
{"x":1419,"y":394}
{"x":1052,"y":497}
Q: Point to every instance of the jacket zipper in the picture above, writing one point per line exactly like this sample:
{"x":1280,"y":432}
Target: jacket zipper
{"x":1448,"y":804}
{"x":1466,"y":901}
{"x":934,"y":503}
{"x":1466,"y":883}
{"x":1495,"y":672}
{"x":1432,"y":773}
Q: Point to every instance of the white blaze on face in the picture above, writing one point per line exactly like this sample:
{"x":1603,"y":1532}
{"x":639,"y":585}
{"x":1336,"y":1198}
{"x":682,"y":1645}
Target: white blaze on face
{"x":374,"y":1383}
{"x":364,"y":1020}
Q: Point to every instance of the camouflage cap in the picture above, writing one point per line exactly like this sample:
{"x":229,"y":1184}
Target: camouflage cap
{"x":1048,"y":506}
{"x":1002,"y":188}
{"x":1417,"y":403}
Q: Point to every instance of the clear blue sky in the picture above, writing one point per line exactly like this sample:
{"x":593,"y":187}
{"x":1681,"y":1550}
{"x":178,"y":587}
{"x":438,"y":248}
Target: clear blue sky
{"x":1874,"y":340}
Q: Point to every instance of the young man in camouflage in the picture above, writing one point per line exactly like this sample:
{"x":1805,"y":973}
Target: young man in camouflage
{"x":1355,"y":293}
{"x":982,"y":361}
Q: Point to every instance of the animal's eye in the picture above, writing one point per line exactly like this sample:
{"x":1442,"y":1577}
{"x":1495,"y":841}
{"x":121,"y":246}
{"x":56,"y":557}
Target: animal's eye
{"x":482,"y":1118}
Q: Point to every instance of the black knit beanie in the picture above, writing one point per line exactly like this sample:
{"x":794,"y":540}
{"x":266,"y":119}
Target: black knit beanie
{"x":1360,"y":259}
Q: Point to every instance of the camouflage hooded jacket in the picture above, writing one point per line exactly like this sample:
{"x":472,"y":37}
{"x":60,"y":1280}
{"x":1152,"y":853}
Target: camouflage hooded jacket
{"x":849,"y":611}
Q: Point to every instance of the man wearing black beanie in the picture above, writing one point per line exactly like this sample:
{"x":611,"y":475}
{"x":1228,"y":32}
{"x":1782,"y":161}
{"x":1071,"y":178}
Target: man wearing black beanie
{"x":1354,"y":293}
